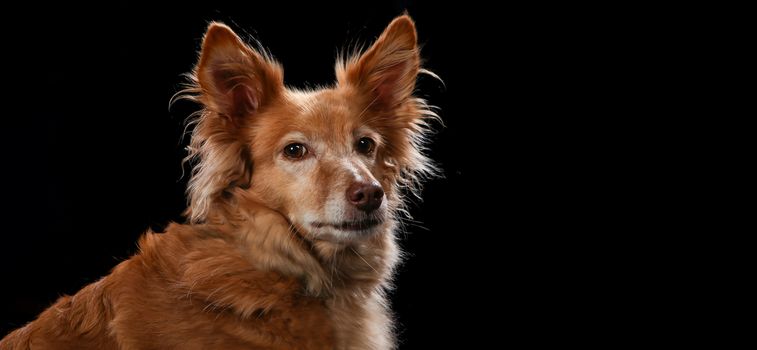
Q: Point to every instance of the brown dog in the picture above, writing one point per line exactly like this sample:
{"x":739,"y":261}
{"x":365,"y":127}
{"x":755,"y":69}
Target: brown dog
{"x":294,"y":200}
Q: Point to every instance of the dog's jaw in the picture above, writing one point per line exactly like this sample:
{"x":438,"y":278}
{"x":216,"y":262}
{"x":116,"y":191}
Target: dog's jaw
{"x":344,"y":232}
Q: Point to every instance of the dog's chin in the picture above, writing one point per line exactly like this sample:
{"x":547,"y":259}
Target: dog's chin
{"x":344,"y":231}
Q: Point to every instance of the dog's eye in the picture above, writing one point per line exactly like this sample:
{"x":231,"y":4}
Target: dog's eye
{"x":295,"y":150}
{"x":365,"y":145}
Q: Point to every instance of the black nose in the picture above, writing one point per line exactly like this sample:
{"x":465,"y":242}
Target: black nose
{"x":366,"y":196}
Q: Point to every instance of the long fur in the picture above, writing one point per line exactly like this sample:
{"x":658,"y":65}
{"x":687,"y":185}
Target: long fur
{"x":242,"y":273}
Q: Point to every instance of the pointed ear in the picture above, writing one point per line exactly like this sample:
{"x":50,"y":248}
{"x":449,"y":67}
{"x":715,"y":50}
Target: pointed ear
{"x":236,"y":81}
{"x":386,"y":72}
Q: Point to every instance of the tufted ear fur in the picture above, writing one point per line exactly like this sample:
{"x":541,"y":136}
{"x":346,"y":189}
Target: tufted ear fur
{"x":234,"y":83}
{"x":235,"y":80}
{"x":387,"y":71}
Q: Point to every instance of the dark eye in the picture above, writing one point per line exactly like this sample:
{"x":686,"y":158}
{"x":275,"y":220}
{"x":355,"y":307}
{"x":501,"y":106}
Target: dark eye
{"x":295,"y":150}
{"x":365,"y":145}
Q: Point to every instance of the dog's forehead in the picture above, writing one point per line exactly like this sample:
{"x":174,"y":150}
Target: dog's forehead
{"x":324,"y":111}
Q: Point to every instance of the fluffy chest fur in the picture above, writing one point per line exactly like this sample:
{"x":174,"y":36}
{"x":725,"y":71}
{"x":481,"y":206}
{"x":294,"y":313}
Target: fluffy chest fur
{"x":349,"y":279}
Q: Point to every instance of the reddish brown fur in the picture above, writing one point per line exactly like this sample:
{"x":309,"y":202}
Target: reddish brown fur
{"x":191,"y":288}
{"x":249,"y":271}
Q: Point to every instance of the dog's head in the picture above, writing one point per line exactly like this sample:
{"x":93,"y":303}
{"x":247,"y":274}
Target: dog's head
{"x":333,"y":161}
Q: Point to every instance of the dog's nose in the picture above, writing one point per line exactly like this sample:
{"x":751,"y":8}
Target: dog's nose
{"x":366,"y":196}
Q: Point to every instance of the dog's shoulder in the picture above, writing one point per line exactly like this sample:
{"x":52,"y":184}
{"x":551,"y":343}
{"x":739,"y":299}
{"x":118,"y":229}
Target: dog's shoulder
{"x":210,"y":263}
{"x":198,"y":279}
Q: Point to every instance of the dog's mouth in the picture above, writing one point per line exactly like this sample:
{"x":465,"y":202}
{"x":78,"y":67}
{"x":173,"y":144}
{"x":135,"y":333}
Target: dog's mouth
{"x":359,"y":225}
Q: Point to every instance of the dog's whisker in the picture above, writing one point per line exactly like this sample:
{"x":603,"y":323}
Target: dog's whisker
{"x":366,"y":261}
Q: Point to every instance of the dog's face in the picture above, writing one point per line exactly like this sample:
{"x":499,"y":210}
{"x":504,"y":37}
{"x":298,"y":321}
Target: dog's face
{"x":330,"y":160}
{"x":316,"y":160}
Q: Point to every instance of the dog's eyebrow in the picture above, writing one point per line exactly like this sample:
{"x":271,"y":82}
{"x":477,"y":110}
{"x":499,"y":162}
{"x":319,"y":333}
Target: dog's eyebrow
{"x":364,"y":129}
{"x":294,"y":135}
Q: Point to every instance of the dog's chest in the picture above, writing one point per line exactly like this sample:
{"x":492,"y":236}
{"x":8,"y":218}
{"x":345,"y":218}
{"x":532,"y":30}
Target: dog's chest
{"x":359,"y":323}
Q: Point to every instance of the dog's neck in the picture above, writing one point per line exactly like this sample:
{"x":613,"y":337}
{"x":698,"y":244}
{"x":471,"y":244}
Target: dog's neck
{"x":326,"y":269}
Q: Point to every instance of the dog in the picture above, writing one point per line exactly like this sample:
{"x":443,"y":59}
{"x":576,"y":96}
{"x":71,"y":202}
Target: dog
{"x":295,"y":198}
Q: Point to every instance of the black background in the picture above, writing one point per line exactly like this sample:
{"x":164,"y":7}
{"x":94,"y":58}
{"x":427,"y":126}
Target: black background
{"x":92,"y":154}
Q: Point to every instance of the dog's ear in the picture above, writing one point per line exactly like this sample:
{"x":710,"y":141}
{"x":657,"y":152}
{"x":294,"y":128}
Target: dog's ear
{"x":233,"y":82}
{"x":236,"y":81}
{"x":387,"y":71}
